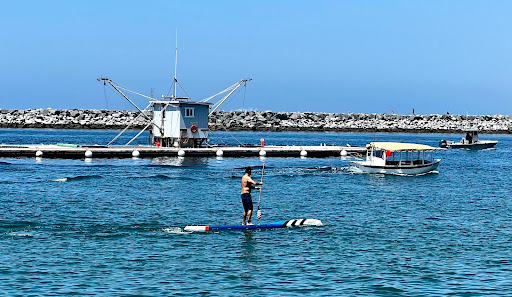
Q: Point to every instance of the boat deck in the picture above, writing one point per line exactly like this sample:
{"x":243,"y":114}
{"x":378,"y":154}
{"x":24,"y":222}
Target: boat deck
{"x":78,"y":152}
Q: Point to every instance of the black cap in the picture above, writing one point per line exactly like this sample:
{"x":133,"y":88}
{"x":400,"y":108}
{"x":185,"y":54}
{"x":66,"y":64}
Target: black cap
{"x":248,"y":169}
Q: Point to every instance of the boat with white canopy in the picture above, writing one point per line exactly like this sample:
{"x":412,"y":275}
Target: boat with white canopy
{"x":397,"y":158}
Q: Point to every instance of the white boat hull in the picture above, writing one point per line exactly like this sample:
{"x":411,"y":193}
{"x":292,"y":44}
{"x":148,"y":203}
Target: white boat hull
{"x":366,"y":167}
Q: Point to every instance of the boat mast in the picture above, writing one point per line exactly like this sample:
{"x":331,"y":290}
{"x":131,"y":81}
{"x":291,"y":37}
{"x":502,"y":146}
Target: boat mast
{"x":176,"y":65}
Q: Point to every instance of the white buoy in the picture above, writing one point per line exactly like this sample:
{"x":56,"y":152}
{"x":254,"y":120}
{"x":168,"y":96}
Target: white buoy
{"x":220,"y":153}
{"x":135,"y":154}
{"x":181,"y":153}
{"x":303,"y":153}
{"x":88,"y":154}
{"x":39,"y":154}
{"x":343,"y":153}
{"x":263,"y":153}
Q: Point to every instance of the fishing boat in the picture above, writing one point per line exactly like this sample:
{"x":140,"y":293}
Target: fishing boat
{"x":176,"y":121}
{"x":397,"y":158}
{"x":470,"y":142}
{"x":274,"y":225}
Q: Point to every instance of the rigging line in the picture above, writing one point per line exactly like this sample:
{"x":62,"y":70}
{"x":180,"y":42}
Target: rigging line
{"x":218,"y":138}
{"x":245,"y":91}
{"x":105,"y":93}
{"x":129,"y":125}
{"x":124,"y":130}
{"x":226,"y":97}
{"x":182,"y":89}
{"x":138,"y":134}
{"x":229,"y":99}
{"x":243,"y":145}
{"x":121,"y":87}
{"x":170,"y":89}
{"x":224,"y":91}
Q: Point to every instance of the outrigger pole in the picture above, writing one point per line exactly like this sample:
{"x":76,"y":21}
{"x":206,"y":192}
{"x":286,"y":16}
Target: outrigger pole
{"x":141,"y":112}
{"x":232,"y":88}
{"x":107,"y":80}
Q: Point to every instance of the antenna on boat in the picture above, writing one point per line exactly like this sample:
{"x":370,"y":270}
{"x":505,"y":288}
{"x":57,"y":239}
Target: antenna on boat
{"x":176,"y":64}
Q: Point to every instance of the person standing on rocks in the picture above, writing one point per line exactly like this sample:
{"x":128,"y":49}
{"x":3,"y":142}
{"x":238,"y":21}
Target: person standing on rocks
{"x":247,"y":184}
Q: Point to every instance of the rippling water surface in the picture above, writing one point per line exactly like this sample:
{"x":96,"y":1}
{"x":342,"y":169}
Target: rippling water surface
{"x":115,"y":226}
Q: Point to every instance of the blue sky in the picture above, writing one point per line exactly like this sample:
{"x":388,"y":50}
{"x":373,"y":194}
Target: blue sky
{"x":318,"y":56}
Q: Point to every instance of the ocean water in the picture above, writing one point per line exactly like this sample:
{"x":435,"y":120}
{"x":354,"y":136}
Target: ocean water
{"x":114,"y":227}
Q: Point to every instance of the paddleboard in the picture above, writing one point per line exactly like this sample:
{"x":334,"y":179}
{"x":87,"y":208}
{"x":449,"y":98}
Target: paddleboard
{"x":274,"y":225}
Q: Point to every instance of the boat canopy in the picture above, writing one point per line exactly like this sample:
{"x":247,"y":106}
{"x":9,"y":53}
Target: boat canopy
{"x":400,"y":146}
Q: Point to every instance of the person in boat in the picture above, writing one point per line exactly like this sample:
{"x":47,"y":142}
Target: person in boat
{"x":247,"y":184}
{"x":469,"y":138}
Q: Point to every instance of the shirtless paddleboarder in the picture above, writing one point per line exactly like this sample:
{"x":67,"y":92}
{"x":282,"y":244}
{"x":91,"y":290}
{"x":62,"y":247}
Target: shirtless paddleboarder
{"x":247,"y":184}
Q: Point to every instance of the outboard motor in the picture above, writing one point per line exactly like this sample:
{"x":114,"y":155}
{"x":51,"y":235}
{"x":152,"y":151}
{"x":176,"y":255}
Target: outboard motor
{"x":443,"y":143}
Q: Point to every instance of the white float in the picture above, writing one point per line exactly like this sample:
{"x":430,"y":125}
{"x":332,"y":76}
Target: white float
{"x":88,"y":154}
{"x":135,"y":154}
{"x":39,"y":154}
{"x":220,"y":153}
{"x":303,"y":153}
{"x":263,"y":153}
{"x":181,"y":153}
{"x":343,"y":153}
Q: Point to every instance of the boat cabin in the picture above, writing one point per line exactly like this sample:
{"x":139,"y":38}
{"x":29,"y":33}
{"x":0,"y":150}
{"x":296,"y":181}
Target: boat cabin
{"x":397,"y":158}
{"x":399,"y":154}
{"x":471,"y":136}
{"x":179,"y":122}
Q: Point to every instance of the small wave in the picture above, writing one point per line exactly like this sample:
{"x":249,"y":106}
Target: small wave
{"x":4,"y":163}
{"x":163,"y":176}
{"x":167,"y":165}
{"x":8,"y":182}
{"x":108,"y":234}
{"x":158,"y":176}
{"x":24,"y":234}
{"x":419,"y":174}
{"x":254,"y":167}
{"x":320,"y":168}
{"x":77,"y":178}
{"x":174,"y":230}
{"x":17,"y":224}
{"x":296,"y":171}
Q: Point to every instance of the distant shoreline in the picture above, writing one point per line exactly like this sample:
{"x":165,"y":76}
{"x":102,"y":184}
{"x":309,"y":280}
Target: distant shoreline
{"x":262,"y":121}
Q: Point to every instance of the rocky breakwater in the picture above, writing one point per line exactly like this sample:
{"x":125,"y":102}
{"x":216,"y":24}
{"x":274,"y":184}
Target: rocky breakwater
{"x":356,"y":122}
{"x":261,"y":121}
{"x":70,"y":119}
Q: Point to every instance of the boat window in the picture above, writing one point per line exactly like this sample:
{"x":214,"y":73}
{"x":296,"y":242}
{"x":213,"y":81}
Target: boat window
{"x":189,"y":112}
{"x":378,"y":153}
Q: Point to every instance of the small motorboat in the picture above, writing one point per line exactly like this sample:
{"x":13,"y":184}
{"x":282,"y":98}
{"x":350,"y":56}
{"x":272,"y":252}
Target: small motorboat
{"x":397,"y":158}
{"x":469,"y":142}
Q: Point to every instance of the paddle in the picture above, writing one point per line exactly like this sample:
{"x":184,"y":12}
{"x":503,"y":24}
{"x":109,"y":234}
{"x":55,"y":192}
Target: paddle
{"x":258,"y":213}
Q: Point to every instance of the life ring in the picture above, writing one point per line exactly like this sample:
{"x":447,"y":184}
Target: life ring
{"x":193,"y":128}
